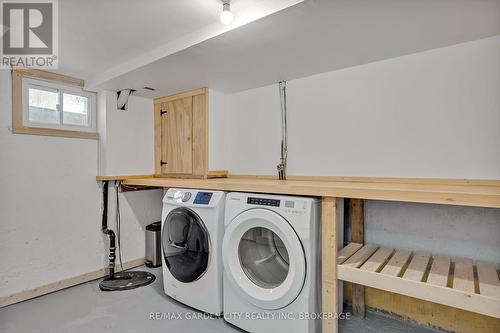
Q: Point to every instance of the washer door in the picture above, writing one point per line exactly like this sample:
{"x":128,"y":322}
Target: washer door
{"x":263,"y":258}
{"x":185,"y":244}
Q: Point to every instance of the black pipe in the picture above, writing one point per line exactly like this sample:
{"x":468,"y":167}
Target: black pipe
{"x":105,"y":230}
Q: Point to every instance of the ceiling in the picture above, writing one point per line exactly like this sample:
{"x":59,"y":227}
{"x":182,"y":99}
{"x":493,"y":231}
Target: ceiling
{"x":100,"y":39}
{"x":297,"y":40}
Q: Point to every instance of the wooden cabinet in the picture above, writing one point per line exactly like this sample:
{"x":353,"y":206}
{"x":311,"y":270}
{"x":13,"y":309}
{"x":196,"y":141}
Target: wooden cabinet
{"x":181,"y":134}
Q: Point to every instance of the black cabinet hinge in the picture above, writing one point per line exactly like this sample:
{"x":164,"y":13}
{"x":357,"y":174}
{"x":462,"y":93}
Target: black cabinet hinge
{"x":162,"y":163}
{"x":162,"y":112}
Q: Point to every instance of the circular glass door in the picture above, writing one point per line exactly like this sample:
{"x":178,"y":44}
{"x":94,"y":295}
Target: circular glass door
{"x":263,"y":258}
{"x":185,"y":244}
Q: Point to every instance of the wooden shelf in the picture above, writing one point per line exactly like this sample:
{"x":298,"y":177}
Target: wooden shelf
{"x":449,"y":192}
{"x":460,"y":283}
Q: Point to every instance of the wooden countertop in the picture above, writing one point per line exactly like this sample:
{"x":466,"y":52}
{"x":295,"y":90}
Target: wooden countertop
{"x":480,"y":193}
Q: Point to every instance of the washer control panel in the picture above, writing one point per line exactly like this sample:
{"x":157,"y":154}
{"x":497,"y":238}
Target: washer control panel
{"x":203,"y":198}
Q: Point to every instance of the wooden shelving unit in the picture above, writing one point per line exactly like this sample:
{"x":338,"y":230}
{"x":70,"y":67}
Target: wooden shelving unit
{"x":456,"y":282}
{"x":459,"y":283}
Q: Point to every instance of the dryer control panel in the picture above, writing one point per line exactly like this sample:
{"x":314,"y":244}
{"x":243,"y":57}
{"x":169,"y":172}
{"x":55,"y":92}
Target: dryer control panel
{"x":263,"y":202}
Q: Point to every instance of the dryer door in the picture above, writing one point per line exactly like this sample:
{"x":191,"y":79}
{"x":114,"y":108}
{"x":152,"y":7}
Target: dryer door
{"x":264,"y":259}
{"x":185,"y":244}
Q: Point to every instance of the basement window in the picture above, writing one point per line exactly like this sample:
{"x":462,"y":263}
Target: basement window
{"x":50,"y":104}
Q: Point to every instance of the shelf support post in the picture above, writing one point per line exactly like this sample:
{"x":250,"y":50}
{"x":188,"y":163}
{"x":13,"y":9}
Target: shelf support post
{"x":329,"y":243}
{"x":356,"y":218}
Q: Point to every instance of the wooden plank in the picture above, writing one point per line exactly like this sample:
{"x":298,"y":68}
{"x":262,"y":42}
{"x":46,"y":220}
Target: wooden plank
{"x":182,"y":95}
{"x":392,"y":180}
{"x":378,"y":259}
{"x":62,"y":284}
{"x":179,"y":136}
{"x":482,"y":196}
{"x":440,"y":270}
{"x":348,"y":251}
{"x":217,"y":174}
{"x":44,"y":75}
{"x":329,"y":264}
{"x":442,"y":317}
{"x":55,"y":132}
{"x":396,"y":263}
{"x":164,"y":138}
{"x":361,"y":256}
{"x":485,"y":305}
{"x":112,"y":177}
{"x":158,"y":137}
{"x":489,"y":284}
{"x":463,"y":276}
{"x":417,"y":267}
{"x":17,"y":100}
{"x":357,"y":220}
{"x":200,"y":135}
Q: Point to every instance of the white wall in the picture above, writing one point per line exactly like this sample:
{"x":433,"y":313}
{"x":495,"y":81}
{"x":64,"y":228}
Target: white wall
{"x":49,"y":205}
{"x":127,"y":148}
{"x":429,"y":114}
{"x":218,"y":159}
{"x":50,"y":202}
{"x":127,"y":145}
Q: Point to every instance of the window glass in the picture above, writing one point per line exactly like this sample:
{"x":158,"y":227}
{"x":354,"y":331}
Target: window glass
{"x":263,"y":257}
{"x":43,"y":106}
{"x":185,"y":244}
{"x":75,"y":110}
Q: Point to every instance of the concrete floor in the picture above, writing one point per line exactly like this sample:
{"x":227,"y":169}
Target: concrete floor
{"x":84,"y":308}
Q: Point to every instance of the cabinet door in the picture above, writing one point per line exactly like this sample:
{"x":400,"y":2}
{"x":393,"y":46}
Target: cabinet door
{"x":181,"y":134}
{"x":177,"y":136}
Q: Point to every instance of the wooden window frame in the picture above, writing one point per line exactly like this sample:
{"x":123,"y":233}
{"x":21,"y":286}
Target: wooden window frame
{"x":17,"y":104}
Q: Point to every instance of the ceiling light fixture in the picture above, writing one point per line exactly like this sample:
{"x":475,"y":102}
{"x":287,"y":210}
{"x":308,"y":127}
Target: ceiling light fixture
{"x":226,"y":16}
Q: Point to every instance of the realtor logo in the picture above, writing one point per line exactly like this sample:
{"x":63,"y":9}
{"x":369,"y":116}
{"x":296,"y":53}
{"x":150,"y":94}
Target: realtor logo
{"x":29,"y":33}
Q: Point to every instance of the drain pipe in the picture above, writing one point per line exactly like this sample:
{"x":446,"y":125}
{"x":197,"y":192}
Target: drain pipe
{"x":284,"y":132}
{"x":105,"y":230}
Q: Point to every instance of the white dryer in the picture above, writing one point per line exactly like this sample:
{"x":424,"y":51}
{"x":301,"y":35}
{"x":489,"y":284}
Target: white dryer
{"x":272,"y":263}
{"x":192,"y":231}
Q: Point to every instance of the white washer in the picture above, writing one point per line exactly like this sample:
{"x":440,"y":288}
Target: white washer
{"x":192,"y":230}
{"x":272,"y":263}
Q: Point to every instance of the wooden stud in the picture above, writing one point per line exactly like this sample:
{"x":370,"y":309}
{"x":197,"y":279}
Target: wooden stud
{"x":357,"y":220}
{"x":329,"y":220}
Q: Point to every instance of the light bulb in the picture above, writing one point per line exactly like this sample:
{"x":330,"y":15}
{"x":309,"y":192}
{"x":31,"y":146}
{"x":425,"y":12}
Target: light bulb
{"x":226,"y":16}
